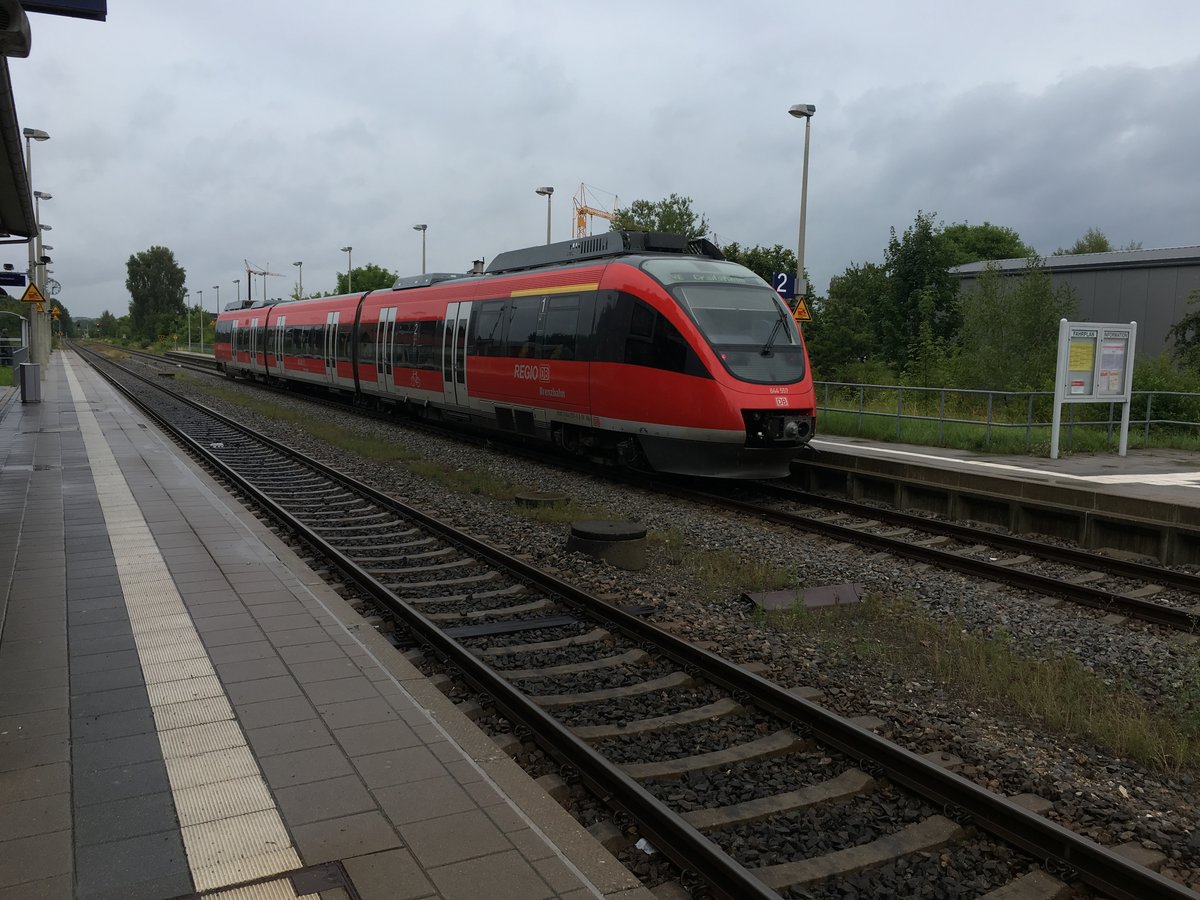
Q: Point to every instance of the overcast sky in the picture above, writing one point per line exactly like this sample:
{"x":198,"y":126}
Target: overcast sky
{"x":282,"y":130}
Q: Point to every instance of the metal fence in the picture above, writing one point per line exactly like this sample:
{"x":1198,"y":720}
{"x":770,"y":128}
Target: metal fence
{"x":1003,"y":410}
{"x":12,"y":353}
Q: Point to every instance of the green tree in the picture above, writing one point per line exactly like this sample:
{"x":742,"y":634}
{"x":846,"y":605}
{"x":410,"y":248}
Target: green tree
{"x":762,"y":261}
{"x":929,"y":354}
{"x":842,"y":340}
{"x":106,"y":326}
{"x":366,"y":278}
{"x":972,"y":243}
{"x":1095,"y":241}
{"x":673,"y":214}
{"x":921,"y":287}
{"x":156,"y":288}
{"x":1009,"y":336}
{"x":1185,"y":336}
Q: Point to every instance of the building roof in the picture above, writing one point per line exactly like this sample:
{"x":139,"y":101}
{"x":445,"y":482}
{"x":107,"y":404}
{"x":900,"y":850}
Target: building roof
{"x":16,"y":198}
{"x":1080,"y":262}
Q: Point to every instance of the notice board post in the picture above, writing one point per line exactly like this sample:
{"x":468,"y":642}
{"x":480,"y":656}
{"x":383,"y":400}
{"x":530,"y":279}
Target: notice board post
{"x":1095,"y":365}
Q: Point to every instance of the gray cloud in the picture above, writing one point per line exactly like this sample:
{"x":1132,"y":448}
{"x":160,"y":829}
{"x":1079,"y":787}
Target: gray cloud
{"x":278,"y":131}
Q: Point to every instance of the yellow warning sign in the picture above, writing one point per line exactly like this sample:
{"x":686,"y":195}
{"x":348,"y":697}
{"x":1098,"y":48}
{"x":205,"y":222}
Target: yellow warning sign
{"x":32,"y":294}
{"x":802,"y":314}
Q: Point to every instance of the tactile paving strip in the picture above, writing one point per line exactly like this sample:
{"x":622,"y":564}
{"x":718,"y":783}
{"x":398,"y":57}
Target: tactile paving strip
{"x":232,"y":830}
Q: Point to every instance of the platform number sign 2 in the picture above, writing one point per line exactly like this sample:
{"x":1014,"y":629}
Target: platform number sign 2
{"x":784,"y":284}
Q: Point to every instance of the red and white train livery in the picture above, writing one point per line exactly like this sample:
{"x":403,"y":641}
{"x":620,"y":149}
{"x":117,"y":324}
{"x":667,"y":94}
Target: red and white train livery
{"x":645,"y":348}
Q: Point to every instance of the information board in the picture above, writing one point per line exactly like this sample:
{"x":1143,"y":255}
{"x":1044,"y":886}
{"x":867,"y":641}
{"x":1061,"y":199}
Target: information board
{"x":1095,"y":365}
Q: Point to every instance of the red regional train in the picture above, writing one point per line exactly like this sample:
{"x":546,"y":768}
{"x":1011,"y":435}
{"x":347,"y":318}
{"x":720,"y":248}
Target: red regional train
{"x":642,"y":348}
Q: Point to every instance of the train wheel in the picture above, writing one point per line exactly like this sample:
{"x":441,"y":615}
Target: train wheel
{"x":567,"y":437}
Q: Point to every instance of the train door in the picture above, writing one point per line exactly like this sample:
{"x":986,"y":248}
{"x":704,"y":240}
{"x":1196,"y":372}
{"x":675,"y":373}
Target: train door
{"x":385,"y":349}
{"x":277,"y":344}
{"x":454,"y":353}
{"x":331,"y":323}
{"x":233,"y":342}
{"x":254,"y":345}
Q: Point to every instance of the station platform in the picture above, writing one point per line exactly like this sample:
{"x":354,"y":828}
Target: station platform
{"x":1160,"y":475}
{"x":186,"y":709}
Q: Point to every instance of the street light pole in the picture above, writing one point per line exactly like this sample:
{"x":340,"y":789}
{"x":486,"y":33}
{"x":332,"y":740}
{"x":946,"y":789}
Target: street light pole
{"x":349,"y":269}
{"x":299,"y":264}
{"x":200,"y":305}
{"x":802,"y":111}
{"x":187,"y":296}
{"x":422,"y":229}
{"x":546,"y":192}
{"x":39,"y":332}
{"x":237,"y":289}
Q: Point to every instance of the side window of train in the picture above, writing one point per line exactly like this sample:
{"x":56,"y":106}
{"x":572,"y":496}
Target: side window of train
{"x":520,"y":338}
{"x":487,"y":328}
{"x":630,"y":331}
{"x":560,"y":324}
{"x":428,"y":344}
{"x":404,"y":352}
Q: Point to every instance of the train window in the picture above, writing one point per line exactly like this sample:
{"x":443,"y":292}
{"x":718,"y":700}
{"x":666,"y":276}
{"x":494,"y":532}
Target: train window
{"x":630,"y":331}
{"x":427,"y":344}
{"x":404,"y":340}
{"x":487,"y":328}
{"x":560,"y":324}
{"x":521,"y":336}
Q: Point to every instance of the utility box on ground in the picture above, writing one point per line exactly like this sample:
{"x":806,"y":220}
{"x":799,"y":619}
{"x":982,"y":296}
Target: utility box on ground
{"x":31,"y":382}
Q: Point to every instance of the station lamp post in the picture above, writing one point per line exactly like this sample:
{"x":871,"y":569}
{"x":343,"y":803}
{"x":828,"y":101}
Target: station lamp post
{"x":299,"y":264}
{"x":802,"y":111}
{"x":422,"y":229}
{"x":200,"y":306}
{"x":237,"y":289}
{"x":349,"y":268}
{"x":546,"y":192}
{"x":39,"y":334}
{"x":187,"y":304}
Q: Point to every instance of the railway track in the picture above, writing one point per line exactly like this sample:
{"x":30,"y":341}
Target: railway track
{"x":1149,"y":593}
{"x":696,"y":750}
{"x":1128,"y":588}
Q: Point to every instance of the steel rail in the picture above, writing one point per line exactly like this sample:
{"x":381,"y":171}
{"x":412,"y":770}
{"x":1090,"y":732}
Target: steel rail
{"x":1156,"y":613}
{"x":1098,"y":866}
{"x":1184,"y":581}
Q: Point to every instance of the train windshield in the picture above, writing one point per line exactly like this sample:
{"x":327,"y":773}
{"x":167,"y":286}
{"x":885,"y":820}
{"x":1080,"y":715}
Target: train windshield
{"x":747,"y":325}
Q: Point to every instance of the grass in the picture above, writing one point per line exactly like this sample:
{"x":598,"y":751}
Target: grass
{"x":1004,"y":437}
{"x":6,"y":376}
{"x":478,"y":482}
{"x":719,"y":572}
{"x":1060,"y":693}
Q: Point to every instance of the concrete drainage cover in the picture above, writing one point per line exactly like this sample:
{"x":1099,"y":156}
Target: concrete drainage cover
{"x":821,"y":597}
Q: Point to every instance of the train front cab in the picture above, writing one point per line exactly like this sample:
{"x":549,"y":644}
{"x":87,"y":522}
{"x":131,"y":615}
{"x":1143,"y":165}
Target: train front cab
{"x":721,"y":386}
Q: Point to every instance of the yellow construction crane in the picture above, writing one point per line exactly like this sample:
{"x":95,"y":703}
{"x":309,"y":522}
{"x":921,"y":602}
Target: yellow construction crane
{"x":585,"y":210}
{"x":252,"y":269}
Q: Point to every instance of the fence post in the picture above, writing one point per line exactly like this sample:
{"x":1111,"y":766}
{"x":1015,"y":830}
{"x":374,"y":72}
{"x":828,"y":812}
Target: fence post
{"x":941,"y":416}
{"x":899,"y":409}
{"x":1111,"y":407}
{"x":1071,"y":427}
{"x":1149,"y":399}
{"x":987,"y":431}
{"x":861,"y":390}
{"x":1029,"y":424}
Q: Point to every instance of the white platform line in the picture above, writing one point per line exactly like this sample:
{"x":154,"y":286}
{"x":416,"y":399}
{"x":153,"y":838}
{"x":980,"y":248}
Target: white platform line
{"x":232,"y":830}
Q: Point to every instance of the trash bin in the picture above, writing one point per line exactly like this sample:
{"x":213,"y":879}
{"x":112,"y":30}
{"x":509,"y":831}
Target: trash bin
{"x":31,"y":383}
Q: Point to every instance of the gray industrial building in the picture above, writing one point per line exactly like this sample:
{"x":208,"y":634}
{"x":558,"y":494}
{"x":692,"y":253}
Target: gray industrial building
{"x":1150,"y":287}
